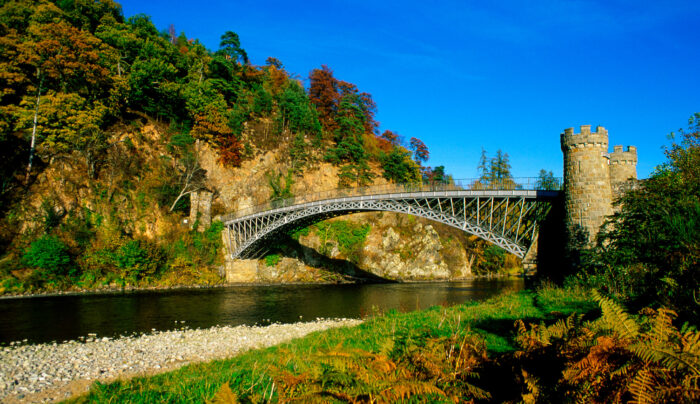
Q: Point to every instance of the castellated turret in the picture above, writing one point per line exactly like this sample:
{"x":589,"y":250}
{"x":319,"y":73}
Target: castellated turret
{"x":587,"y":190}
{"x":623,"y":167}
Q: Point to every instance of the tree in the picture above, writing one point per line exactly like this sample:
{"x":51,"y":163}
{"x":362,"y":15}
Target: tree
{"x":500,"y":168}
{"x":88,"y":14}
{"x":349,"y":147}
{"x":398,"y":166}
{"x":648,"y":252}
{"x":546,"y":181}
{"x":387,"y":141}
{"x":420,"y":150}
{"x":296,"y":113}
{"x":324,"y":94}
{"x":436,"y":175}
{"x":272,"y":61}
{"x":191,"y":177}
{"x":230,"y":46}
{"x":60,"y":57}
{"x":483,"y":167}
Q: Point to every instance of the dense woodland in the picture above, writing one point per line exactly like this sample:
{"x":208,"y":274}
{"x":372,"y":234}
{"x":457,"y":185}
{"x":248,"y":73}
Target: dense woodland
{"x":79,"y":81}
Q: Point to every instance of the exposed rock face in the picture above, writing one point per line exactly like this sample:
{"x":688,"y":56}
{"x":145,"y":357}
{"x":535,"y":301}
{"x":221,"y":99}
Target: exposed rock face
{"x":398,"y":247}
{"x":401,"y":247}
{"x":287,"y":270}
{"x":241,"y":271}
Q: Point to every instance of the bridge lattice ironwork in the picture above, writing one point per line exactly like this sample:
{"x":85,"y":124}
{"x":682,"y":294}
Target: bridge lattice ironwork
{"x":504,"y":213}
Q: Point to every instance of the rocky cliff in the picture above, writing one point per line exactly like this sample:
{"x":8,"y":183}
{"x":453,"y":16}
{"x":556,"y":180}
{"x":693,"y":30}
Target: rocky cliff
{"x":397,"y":247}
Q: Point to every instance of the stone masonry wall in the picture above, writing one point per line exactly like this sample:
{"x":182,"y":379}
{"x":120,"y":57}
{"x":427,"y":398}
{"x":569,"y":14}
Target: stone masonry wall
{"x":200,"y":208}
{"x":623,"y":166}
{"x":587,"y":191}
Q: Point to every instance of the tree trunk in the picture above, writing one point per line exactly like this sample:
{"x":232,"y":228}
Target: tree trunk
{"x":36,"y":115}
{"x":182,"y":193}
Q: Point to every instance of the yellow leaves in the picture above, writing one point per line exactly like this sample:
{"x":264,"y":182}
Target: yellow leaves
{"x":533,"y":388}
{"x":618,"y":357}
{"x":65,"y":121}
{"x":67,"y":55}
{"x":615,"y":318}
{"x":210,"y":124}
{"x":224,"y":396}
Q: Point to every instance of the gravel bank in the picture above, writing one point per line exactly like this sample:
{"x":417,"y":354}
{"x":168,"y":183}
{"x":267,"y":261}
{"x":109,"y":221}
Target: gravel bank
{"x":51,"y":372}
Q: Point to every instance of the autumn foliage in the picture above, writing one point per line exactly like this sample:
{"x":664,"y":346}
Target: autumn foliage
{"x":326,"y":93}
{"x":420,"y":150}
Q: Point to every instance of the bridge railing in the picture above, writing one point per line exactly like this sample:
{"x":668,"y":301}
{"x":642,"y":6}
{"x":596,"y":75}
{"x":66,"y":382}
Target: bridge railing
{"x":520,"y":183}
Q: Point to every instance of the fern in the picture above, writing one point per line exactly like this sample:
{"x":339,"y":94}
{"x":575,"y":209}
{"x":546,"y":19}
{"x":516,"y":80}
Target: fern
{"x":615,"y":317}
{"x":409,"y":388}
{"x":642,"y":387}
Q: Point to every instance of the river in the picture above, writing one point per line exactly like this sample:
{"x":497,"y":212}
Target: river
{"x":58,"y":318}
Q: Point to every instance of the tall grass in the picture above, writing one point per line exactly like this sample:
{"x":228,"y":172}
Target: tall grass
{"x":392,"y":339}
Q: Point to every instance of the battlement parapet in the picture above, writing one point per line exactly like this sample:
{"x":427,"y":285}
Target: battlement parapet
{"x":618,"y":156}
{"x":586,"y":138}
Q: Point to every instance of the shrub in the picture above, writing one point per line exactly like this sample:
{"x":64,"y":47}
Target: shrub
{"x":272,"y":260}
{"x":138,"y":259}
{"x":295,"y":234}
{"x":194,"y":249}
{"x":48,"y":253}
{"x":494,"y":260}
{"x":349,"y":236}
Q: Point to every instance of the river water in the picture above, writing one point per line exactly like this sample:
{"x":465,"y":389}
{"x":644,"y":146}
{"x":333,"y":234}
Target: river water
{"x":59,"y":318}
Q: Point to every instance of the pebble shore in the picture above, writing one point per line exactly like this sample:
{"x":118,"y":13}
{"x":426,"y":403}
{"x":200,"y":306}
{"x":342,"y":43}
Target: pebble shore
{"x":56,"y":371}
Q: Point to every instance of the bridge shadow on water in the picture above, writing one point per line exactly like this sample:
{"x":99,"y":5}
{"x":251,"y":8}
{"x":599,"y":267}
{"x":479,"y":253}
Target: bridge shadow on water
{"x":291,"y":248}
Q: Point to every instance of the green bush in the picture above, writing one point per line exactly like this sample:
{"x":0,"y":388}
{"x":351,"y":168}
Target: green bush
{"x":494,"y":260}
{"x":349,"y":236}
{"x":49,"y":254}
{"x":272,"y":260}
{"x":138,"y":259}
{"x":304,"y":231}
{"x":196,"y":249}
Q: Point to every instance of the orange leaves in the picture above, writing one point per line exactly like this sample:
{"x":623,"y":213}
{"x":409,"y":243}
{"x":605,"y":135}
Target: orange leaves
{"x":326,"y":93}
{"x":323,"y":93}
{"x":617,"y":358}
{"x":229,"y":150}
{"x":211,"y":125}
{"x":278,"y":78}
{"x":440,"y":371}
{"x":420,"y":150}
{"x":68,"y":55}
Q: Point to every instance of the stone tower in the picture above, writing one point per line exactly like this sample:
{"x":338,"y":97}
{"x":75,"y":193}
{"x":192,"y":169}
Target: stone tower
{"x":623,"y":166}
{"x":587,"y":190}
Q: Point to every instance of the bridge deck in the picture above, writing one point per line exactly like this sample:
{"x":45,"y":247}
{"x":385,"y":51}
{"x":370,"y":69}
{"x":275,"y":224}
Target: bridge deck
{"x":468,"y":193}
{"x":505,"y":215}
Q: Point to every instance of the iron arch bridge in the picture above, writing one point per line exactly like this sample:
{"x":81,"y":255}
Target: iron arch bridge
{"x":506,"y":215}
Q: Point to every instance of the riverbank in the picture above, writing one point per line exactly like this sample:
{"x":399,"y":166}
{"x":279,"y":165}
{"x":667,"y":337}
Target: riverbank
{"x":364,"y":359}
{"x":50,"y":372}
{"x":544,"y":345}
{"x":136,"y":289}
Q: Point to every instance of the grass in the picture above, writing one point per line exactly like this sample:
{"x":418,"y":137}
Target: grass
{"x":252,"y":376}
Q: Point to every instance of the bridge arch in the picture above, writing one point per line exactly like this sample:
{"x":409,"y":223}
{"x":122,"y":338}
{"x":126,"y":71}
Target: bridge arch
{"x":507,"y":218}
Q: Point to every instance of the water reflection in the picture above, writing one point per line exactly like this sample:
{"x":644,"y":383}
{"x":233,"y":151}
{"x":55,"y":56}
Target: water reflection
{"x":46,"y":319}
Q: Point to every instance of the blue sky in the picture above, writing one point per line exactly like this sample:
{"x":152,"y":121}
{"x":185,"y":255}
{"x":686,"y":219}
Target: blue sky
{"x":462,"y":75}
